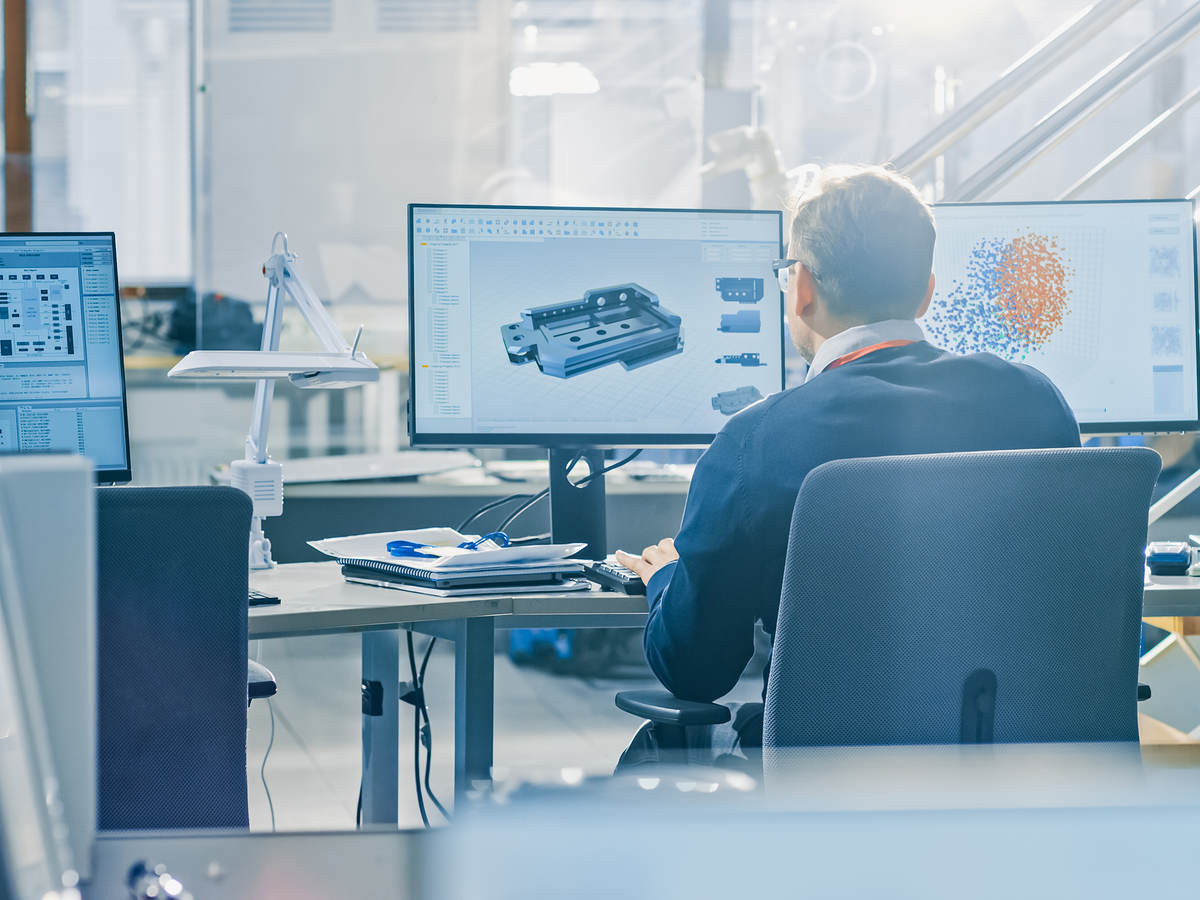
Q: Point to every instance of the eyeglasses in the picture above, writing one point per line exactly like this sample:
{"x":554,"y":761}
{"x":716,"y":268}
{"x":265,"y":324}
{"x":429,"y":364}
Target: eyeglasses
{"x":782,"y":268}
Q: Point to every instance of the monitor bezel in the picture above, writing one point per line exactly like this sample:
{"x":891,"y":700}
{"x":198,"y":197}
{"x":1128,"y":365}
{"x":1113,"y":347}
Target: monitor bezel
{"x":103,"y":476}
{"x":1150,"y":427}
{"x":551,"y":439}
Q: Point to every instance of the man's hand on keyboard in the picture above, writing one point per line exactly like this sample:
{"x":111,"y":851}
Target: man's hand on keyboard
{"x":652,"y":559}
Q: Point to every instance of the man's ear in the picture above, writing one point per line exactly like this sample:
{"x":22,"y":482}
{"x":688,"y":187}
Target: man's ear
{"x":928,"y":299}
{"x":805,"y":292}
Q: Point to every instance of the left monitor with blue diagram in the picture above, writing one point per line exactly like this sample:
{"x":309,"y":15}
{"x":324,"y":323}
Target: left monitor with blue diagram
{"x":62,"y":377}
{"x":602,"y":327}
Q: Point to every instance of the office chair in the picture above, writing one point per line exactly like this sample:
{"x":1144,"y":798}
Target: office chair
{"x":993,"y":597}
{"x":172,"y":657}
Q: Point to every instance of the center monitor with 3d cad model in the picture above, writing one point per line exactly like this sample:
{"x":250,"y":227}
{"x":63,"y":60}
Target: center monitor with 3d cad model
{"x":590,"y":327}
{"x":1099,"y":296}
{"x":62,"y":376}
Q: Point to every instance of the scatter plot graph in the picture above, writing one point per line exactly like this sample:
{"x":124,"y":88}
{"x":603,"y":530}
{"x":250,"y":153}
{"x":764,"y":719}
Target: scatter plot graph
{"x":1016,"y":294}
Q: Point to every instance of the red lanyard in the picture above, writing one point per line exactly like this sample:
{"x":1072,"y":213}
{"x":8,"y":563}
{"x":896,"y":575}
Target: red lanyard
{"x":859,"y":354}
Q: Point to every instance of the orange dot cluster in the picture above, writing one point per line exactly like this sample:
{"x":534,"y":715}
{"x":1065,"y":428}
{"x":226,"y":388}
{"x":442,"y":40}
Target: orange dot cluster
{"x":1032,"y":287}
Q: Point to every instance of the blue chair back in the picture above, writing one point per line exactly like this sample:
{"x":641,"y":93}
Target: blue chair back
{"x":962,"y":598}
{"x":173,"y":573}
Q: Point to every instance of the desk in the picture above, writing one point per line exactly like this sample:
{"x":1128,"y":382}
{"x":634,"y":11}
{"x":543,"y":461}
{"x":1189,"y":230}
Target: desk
{"x":1171,"y":595}
{"x":1172,"y":602}
{"x":317,"y":600}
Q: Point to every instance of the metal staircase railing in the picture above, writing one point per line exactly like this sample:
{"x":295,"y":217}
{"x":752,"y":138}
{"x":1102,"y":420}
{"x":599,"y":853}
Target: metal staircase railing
{"x":1163,"y":118}
{"x":1020,"y":75}
{"x":1064,"y":119}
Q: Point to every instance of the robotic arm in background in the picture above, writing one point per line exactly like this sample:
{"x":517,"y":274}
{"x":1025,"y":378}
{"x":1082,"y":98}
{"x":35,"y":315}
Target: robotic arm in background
{"x":753,"y":151}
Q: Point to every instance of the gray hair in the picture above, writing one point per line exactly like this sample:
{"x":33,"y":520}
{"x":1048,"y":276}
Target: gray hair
{"x":867,"y":237}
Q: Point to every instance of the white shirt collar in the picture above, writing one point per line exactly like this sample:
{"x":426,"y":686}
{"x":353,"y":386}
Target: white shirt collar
{"x":861,"y":336}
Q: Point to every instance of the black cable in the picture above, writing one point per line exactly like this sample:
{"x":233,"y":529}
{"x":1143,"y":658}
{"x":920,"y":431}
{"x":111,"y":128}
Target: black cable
{"x":412,"y":664}
{"x":503,"y":526}
{"x":632,"y":456}
{"x":487,"y":506}
{"x":538,"y":496}
{"x":580,"y":483}
{"x":428,"y":732}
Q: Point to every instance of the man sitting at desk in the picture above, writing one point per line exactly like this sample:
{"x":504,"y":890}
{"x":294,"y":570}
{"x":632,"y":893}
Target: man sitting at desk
{"x":861,"y":273}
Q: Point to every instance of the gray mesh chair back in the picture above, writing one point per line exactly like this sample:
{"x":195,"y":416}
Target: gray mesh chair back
{"x":172,"y":657}
{"x":962,"y":598}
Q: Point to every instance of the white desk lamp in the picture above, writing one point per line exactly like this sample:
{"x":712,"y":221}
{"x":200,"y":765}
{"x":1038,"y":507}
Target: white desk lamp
{"x":340,"y":365}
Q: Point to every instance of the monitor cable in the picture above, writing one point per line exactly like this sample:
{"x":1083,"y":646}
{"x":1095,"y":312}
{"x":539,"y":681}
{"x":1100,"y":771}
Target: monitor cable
{"x":422,"y":734}
{"x":488,"y":506}
{"x":532,"y":498}
{"x":427,"y":732}
{"x":580,"y":483}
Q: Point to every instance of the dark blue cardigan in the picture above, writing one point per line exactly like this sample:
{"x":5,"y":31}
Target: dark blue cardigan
{"x":732,"y":543}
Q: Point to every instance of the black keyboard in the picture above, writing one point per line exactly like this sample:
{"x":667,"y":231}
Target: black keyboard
{"x":615,"y":577}
{"x":258,"y":598}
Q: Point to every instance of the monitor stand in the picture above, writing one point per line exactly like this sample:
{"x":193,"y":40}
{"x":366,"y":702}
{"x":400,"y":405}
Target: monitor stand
{"x":578,"y":513}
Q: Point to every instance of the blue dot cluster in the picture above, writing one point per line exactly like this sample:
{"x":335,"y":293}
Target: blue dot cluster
{"x":969,"y":319}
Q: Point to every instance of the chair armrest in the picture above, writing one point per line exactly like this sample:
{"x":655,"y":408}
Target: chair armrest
{"x":1143,"y":691}
{"x":665,"y":707}
{"x":260,"y":681}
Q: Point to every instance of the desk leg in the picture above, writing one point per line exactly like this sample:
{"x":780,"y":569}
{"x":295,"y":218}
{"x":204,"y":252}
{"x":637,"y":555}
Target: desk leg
{"x":381,"y":734}
{"x":474,"y":695}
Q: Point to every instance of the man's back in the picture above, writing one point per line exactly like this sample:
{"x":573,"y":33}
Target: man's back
{"x":899,"y":400}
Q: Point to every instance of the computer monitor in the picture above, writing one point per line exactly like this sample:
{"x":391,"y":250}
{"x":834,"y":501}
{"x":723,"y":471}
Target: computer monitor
{"x":62,"y":376}
{"x":1100,"y":296}
{"x":589,"y":327}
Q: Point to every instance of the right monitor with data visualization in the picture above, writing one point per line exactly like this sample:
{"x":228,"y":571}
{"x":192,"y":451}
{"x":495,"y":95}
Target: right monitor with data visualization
{"x":1100,"y":296}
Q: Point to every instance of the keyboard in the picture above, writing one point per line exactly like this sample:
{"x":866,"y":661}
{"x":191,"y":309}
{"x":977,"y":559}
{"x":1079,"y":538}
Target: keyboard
{"x":258,"y":598}
{"x":615,"y":577}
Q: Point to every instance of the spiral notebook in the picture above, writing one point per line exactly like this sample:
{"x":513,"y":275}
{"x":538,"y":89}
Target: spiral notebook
{"x":542,"y":572}
{"x":371,"y":551}
{"x":465,"y":586}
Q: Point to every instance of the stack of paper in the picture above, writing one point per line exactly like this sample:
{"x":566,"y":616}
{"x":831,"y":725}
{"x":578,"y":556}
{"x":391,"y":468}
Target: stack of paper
{"x":455,"y":571}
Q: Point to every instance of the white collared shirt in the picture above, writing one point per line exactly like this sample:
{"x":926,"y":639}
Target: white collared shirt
{"x":861,"y":336}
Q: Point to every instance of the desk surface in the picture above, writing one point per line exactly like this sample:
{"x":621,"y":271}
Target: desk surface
{"x":317,"y":600}
{"x":1171,"y":595}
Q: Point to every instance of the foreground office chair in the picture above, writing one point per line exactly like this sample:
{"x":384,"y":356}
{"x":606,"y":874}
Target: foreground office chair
{"x":954,"y":598}
{"x":172,"y":657}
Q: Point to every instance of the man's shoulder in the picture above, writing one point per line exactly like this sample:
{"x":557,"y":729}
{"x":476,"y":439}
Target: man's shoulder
{"x":989,"y":366}
{"x":832,"y":393}
{"x":952,"y":367}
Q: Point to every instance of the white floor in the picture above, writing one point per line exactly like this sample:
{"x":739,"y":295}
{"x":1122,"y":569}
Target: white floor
{"x":543,"y":722}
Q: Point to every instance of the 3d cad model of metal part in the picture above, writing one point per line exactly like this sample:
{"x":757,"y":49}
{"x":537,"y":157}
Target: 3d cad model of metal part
{"x":623,"y":323}
{"x":729,"y":402}
{"x":740,"y":359}
{"x":744,"y":321}
{"x":740,"y":290}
